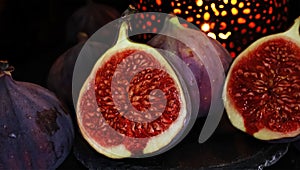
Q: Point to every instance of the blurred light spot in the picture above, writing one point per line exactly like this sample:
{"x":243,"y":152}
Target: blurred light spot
{"x":241,"y":20}
{"x":205,"y":27}
{"x":190,"y":19}
{"x":247,"y":11}
{"x":233,"y":2}
{"x":213,"y":7}
{"x":252,"y":25}
{"x":206,"y":16}
{"x":212,"y":35}
{"x":241,"y":4}
{"x":223,"y":25}
{"x":199,"y":2}
{"x":224,"y":36}
{"x":234,"y":11}
{"x":257,"y":16}
{"x":224,"y":13}
{"x":177,"y":11}
{"x":158,"y":2}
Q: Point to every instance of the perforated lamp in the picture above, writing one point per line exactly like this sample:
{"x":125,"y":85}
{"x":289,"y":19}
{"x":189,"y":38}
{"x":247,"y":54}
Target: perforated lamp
{"x":234,"y":23}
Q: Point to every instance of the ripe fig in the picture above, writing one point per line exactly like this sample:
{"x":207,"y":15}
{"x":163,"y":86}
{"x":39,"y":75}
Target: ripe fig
{"x":89,"y":19}
{"x":135,"y":103}
{"x":36,"y":131}
{"x":60,"y":75}
{"x":186,"y":49}
{"x":262,"y":89}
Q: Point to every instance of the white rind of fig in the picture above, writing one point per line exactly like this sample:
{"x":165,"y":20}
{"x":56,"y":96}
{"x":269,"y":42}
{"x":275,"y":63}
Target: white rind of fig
{"x":234,"y":116}
{"x":158,"y":142}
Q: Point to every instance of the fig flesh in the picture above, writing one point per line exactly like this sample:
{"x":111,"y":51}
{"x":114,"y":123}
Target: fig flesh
{"x":134,"y":103}
{"x":194,"y":50}
{"x":36,"y":131}
{"x":262,"y":89}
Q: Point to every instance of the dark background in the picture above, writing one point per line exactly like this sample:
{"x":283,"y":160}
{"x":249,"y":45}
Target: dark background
{"x":32,"y":36}
{"x":32,"y":32}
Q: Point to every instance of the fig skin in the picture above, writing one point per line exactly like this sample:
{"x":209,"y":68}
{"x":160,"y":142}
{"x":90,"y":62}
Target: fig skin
{"x":89,"y":19}
{"x":60,"y":75}
{"x":110,"y":141}
{"x":194,"y":62}
{"x":262,"y":131}
{"x":36,"y":131}
{"x":83,"y":23}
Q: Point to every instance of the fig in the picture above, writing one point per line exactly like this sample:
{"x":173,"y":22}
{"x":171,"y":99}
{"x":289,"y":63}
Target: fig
{"x":262,"y":89}
{"x":88,"y":19}
{"x":36,"y":131}
{"x":135,"y":102}
{"x":60,"y":75}
{"x":197,"y":62}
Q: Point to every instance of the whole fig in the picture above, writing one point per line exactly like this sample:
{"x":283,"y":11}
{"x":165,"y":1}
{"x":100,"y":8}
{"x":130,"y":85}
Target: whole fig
{"x":207,"y":48}
{"x":60,"y":75}
{"x":36,"y":132}
{"x":88,"y":19}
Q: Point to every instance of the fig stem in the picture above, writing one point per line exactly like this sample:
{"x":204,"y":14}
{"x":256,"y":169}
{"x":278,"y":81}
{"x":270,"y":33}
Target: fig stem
{"x":293,"y":32}
{"x":123,"y":33}
{"x":125,"y":23}
{"x":174,"y":20}
{"x":82,"y":36}
{"x":130,"y":10}
{"x":5,"y":68}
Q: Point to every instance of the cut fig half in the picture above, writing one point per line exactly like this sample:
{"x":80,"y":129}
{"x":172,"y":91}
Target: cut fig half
{"x":262,"y":90}
{"x":134,"y":103}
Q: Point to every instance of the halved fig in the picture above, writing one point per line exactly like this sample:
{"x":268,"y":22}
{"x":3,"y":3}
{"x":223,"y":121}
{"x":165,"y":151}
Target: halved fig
{"x":262,"y":89}
{"x":134,"y":103}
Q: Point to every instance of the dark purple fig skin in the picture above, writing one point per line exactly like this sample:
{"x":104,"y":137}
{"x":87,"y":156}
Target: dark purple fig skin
{"x":89,"y":19}
{"x":197,"y":67}
{"x":61,"y":73}
{"x":36,"y":132}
